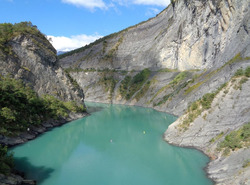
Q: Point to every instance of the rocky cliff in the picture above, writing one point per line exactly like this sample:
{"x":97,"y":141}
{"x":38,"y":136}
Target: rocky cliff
{"x":192,"y":34}
{"x":191,"y":60}
{"x":31,"y":58}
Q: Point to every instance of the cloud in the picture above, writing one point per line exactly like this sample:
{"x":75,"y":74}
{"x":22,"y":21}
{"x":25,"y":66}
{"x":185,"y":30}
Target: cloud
{"x":90,"y":4}
{"x":152,"y":12}
{"x":62,"y":43}
{"x":143,"y":2}
{"x":105,"y":4}
{"x":152,"y":2}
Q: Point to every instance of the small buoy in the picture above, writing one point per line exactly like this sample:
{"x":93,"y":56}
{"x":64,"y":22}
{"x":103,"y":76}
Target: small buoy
{"x":144,"y":132}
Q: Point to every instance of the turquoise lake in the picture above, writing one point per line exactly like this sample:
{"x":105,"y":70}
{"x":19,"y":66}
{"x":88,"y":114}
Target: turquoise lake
{"x":115,"y":145}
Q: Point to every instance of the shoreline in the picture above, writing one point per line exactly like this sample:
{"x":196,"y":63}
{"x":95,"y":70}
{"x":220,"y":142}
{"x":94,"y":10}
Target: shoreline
{"x":200,"y":150}
{"x":190,"y":147}
{"x":163,"y":137}
{"x":17,"y":177}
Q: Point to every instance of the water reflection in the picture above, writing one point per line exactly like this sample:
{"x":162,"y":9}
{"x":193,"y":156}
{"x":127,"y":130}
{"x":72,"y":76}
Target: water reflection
{"x":81,"y":150}
{"x":42,"y":172}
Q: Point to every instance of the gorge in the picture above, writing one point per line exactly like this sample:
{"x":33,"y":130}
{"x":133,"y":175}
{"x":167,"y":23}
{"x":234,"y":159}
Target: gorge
{"x":191,"y":60}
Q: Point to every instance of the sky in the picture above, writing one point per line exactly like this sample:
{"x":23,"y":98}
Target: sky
{"x":74,"y":23}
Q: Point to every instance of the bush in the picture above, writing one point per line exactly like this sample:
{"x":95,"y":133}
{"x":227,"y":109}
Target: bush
{"x":137,"y":82}
{"x":6,"y":161}
{"x":20,"y":107}
{"x":8,"y":31}
{"x":239,"y":72}
{"x":247,"y":72}
{"x":236,"y":139}
{"x":129,"y":86}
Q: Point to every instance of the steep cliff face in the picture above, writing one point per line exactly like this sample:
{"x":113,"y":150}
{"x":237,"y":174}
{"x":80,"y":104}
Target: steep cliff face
{"x":33,"y":59}
{"x":207,"y":128}
{"x":193,"y":50}
{"x":189,"y":35}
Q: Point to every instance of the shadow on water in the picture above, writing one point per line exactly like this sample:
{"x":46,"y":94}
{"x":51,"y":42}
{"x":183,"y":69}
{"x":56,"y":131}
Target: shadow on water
{"x":91,"y":109}
{"x":38,"y":173}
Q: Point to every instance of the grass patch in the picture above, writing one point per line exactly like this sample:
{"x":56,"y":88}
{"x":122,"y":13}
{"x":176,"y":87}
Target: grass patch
{"x":125,"y":86}
{"x":109,"y":83}
{"x":143,"y":91}
{"x":216,"y":137}
{"x":197,"y":107}
{"x":178,"y":78}
{"x":246,"y":163}
{"x":129,"y":86}
{"x":111,"y":52}
{"x":236,"y":139}
{"x":167,"y":70}
{"x":181,"y":76}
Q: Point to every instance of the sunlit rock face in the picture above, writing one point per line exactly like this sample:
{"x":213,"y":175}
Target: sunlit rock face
{"x":33,"y":60}
{"x":187,"y":35}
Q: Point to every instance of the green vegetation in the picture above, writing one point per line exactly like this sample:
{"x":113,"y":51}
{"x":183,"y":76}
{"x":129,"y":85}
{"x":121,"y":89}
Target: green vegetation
{"x":129,"y":86}
{"x":181,"y":76}
{"x":175,"y":82}
{"x":236,"y":139}
{"x":244,"y":74}
{"x":109,"y":83}
{"x":239,"y":72}
{"x":111,"y":52}
{"x":197,"y":107}
{"x":204,"y":103}
{"x":125,"y":86}
{"x":6,"y":161}
{"x":216,"y":137}
{"x":9,"y":31}
{"x":143,"y":91}
{"x":72,"y":80}
{"x":166,"y":70}
{"x":246,"y":163}
{"x":235,"y":59}
{"x":20,"y":107}
{"x":247,"y":72}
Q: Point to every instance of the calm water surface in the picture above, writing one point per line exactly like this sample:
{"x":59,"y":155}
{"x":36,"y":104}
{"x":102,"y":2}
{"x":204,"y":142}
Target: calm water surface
{"x":116,"y":145}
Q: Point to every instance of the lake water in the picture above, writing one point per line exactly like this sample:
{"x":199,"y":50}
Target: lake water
{"x":116,"y":145}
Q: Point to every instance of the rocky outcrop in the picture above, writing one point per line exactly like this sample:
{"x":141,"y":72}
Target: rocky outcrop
{"x":229,"y":111}
{"x":35,"y":131}
{"x":33,"y":60}
{"x":192,"y":34}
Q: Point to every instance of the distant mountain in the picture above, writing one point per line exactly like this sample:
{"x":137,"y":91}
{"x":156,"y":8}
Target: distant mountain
{"x":61,"y":52}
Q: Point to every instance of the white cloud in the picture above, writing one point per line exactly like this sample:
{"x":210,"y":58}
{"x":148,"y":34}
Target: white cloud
{"x":105,"y":4}
{"x":152,"y":11}
{"x":62,"y":43}
{"x":90,"y":4}
{"x":143,"y":2}
{"x":152,"y":2}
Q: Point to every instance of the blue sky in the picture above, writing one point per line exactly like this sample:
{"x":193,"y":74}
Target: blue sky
{"x":74,"y":23}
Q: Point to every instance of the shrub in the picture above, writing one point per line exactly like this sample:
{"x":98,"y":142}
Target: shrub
{"x":247,"y":72}
{"x":239,"y":72}
{"x":20,"y":106}
{"x":236,"y":139}
{"x":129,"y":86}
{"x":6,"y":161}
